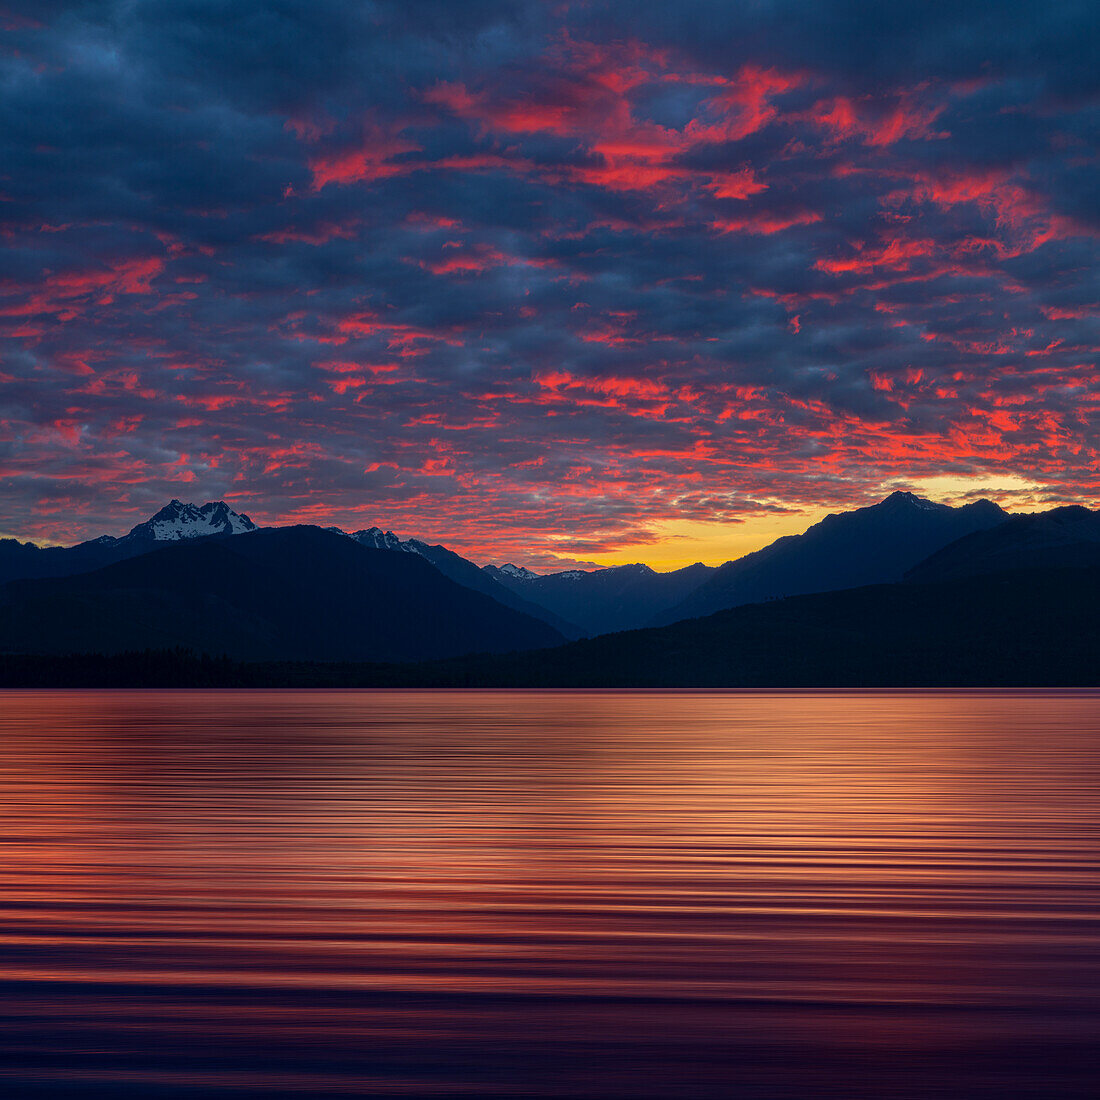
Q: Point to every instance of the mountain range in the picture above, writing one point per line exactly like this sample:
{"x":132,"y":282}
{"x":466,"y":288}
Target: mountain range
{"x":291,"y":593}
{"x":873,"y":545}
{"x":600,"y":601}
{"x":207,"y":579}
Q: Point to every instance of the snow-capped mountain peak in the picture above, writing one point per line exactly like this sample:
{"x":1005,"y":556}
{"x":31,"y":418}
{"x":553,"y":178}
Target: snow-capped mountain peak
{"x":179,"y":520}
{"x":378,"y":539}
{"x":902,"y":499}
{"x":517,"y":572}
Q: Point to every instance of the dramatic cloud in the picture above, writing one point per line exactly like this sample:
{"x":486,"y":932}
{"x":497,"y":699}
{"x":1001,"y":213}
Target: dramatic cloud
{"x":543,"y":279}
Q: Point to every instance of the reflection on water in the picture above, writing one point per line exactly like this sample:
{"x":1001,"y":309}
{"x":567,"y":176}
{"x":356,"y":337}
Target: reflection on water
{"x":549,"y":894}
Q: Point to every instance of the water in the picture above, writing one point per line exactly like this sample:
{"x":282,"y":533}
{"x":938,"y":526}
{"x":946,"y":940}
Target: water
{"x":549,"y":894}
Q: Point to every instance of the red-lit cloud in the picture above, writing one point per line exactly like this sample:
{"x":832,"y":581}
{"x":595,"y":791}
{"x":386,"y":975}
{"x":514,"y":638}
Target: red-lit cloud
{"x":550,"y":282}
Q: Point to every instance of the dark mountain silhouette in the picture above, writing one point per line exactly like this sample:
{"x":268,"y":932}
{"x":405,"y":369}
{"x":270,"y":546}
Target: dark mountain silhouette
{"x":175,"y":522}
{"x":179,"y":520}
{"x":1032,"y":627}
{"x":465,"y":572}
{"x":601,"y":600}
{"x":870,"y":545}
{"x":1062,"y":537}
{"x":305,"y":594}
{"x":1029,"y":628}
{"x":282,"y":593}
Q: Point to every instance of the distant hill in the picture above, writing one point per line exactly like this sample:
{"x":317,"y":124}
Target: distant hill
{"x":1031,"y":627}
{"x":599,"y":601}
{"x":1062,"y":537}
{"x":872,"y":545}
{"x":292,"y":593}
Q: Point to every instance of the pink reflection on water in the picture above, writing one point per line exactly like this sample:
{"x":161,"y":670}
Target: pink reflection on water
{"x":559,"y":894}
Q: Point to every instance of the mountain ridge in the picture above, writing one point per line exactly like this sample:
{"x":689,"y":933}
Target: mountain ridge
{"x":619,"y":597}
{"x":1068,"y":536}
{"x":174,"y":522}
{"x":465,"y":572}
{"x":290,"y":592}
{"x":871,"y":545}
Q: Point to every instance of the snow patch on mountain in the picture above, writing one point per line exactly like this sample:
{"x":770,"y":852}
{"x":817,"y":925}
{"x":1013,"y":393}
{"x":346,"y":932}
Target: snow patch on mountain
{"x":901,"y":499}
{"x":179,"y":520}
{"x":378,"y":539}
{"x":517,"y":572}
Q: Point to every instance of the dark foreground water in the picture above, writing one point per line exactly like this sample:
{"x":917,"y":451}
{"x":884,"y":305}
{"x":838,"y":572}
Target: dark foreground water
{"x":549,"y":895}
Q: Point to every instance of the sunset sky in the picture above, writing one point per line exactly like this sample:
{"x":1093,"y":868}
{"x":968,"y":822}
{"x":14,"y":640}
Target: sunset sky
{"x":545,"y":281}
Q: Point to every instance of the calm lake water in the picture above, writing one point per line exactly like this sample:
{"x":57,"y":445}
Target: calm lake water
{"x":252,"y":894}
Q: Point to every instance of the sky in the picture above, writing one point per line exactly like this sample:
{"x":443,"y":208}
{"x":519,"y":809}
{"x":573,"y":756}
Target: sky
{"x":547,"y":282}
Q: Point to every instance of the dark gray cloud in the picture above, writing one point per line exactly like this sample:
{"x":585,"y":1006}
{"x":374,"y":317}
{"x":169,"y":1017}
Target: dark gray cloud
{"x":540,"y":270}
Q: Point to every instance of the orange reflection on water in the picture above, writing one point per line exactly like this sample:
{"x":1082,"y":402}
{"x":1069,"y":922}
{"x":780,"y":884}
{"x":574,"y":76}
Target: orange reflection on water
{"x":559,"y":894}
